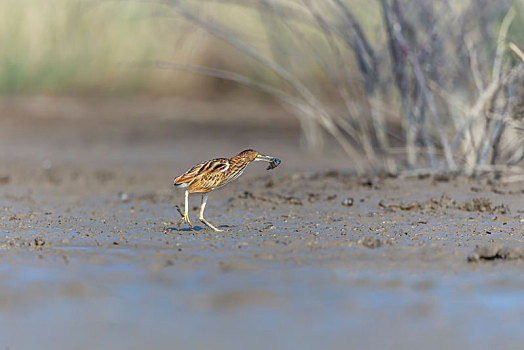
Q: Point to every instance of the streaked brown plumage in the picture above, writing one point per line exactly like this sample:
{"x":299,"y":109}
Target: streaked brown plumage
{"x":213,"y":174}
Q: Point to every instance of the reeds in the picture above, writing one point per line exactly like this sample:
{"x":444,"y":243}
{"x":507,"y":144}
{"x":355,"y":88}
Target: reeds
{"x":456,"y":113}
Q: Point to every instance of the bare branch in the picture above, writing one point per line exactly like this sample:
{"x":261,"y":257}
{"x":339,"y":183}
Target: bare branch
{"x":421,"y":80}
{"x":517,"y":50}
{"x":501,"y":41}
{"x":343,"y":88}
{"x":474,"y":65}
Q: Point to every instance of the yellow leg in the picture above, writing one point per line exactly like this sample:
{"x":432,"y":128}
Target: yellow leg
{"x":185,"y":216}
{"x":201,"y":217}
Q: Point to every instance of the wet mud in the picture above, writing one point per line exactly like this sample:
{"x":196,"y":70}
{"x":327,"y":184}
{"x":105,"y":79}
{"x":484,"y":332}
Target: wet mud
{"x":312,"y":256}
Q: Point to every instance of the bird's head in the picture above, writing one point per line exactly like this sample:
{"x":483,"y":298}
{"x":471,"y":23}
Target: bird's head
{"x":248,"y":155}
{"x":252,"y":155}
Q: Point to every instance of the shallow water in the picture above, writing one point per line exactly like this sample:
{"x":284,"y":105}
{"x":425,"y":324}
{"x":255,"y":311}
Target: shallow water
{"x":118,"y":303}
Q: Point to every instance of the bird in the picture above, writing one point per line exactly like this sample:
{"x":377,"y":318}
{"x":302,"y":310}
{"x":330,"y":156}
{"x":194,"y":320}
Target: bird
{"x":214,"y":174}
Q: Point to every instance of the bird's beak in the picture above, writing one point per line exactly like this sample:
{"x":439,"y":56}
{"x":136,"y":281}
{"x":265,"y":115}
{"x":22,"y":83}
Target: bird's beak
{"x":264,"y":158}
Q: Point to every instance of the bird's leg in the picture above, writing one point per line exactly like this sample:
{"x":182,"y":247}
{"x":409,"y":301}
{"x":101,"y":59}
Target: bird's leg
{"x":201,"y":217}
{"x":185,"y":216}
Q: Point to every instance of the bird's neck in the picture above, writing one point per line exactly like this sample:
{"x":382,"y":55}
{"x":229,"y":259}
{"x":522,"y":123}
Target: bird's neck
{"x":238,"y":162}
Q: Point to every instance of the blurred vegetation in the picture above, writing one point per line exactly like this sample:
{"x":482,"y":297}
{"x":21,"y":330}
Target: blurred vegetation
{"x":81,"y":46}
{"x":64,"y":46}
{"x":432,"y":80}
{"x":68,"y":46}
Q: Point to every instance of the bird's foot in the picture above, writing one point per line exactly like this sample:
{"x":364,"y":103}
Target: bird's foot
{"x":185,"y":219}
{"x":204,"y":221}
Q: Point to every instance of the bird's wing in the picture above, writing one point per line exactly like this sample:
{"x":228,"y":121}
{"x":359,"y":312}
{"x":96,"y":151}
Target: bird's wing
{"x":219,"y":165}
{"x":211,"y":176}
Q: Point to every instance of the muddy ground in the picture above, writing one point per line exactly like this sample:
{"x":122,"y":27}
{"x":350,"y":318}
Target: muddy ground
{"x":312,"y":256}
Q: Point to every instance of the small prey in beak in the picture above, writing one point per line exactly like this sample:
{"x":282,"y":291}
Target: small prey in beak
{"x":273,"y":162}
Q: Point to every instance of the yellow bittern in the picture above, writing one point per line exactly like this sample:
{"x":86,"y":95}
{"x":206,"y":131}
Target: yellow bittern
{"x":208,"y":176}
